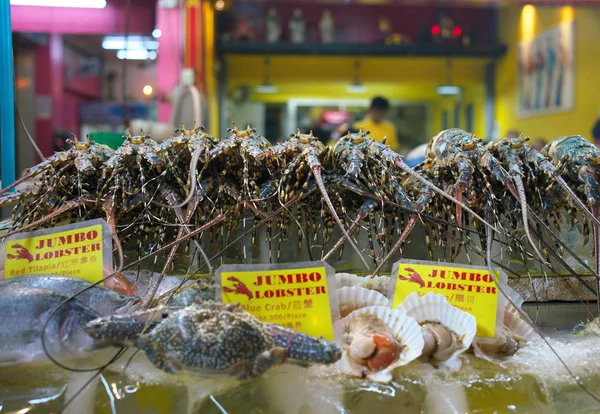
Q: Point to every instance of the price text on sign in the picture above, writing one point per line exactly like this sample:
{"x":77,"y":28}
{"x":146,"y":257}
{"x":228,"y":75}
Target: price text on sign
{"x":76,"y":252}
{"x":469,"y":289}
{"x":294,"y":298}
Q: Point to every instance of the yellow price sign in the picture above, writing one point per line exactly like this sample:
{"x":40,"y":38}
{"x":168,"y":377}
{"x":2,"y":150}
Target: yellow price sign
{"x":469,"y":288}
{"x":80,"y":250}
{"x":300,"y":296}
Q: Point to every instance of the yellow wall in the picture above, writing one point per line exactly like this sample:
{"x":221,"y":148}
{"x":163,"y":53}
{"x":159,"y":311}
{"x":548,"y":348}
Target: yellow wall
{"x":516,"y":25}
{"x":402,"y":79}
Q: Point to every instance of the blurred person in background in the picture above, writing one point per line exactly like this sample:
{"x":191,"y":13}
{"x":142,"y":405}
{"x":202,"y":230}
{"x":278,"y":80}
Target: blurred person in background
{"x":596,"y":133}
{"x":316,"y":127}
{"x":375,"y":122}
{"x":538,"y":143}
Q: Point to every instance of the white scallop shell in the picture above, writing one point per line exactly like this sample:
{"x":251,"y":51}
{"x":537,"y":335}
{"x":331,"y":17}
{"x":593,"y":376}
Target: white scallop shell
{"x":514,"y":298}
{"x":353,"y":298}
{"x":404,"y":330}
{"x":521,"y":329}
{"x":347,"y":279}
{"x":434,"y":308}
{"x":379,"y":283}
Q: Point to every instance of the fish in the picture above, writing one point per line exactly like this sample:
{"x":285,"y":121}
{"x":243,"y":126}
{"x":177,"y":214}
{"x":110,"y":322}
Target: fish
{"x":100,"y":299}
{"x":23,"y":313}
{"x":413,"y":276}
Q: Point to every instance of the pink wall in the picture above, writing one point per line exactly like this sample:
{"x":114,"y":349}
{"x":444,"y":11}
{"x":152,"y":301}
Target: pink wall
{"x":48,"y":92}
{"x":110,"y":19}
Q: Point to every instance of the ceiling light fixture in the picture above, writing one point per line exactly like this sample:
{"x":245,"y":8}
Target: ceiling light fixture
{"x":356,"y":86}
{"x":266,"y":86}
{"x":133,"y":43}
{"x":82,"y":4}
{"x":449,"y":89}
{"x":133,"y":54}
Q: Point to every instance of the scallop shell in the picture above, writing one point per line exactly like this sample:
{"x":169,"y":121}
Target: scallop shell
{"x":514,"y":298}
{"x":515,"y":333}
{"x":443,"y":324}
{"x":492,"y":349}
{"x":379,"y":283}
{"x":347,"y":279}
{"x":353,"y":298}
{"x":521,"y":329}
{"x":362,"y":330}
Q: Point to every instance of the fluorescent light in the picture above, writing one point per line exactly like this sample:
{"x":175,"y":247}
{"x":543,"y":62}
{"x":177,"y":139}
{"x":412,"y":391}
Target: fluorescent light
{"x":152,"y":55}
{"x":133,"y":54}
{"x":356,"y":88}
{"x":82,"y":4}
{"x":134,"y":43}
{"x":156,"y":33}
{"x":448,"y":90}
{"x":266,"y":88}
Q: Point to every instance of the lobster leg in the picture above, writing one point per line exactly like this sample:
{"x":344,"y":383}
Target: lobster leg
{"x":363,"y":212}
{"x":523,"y":201}
{"x":596,"y":235}
{"x":403,"y":166}
{"x":319,"y":179}
{"x":180,"y":239}
{"x":193,"y":177}
{"x":405,"y":233}
{"x":69,"y":205}
{"x":422,"y":202}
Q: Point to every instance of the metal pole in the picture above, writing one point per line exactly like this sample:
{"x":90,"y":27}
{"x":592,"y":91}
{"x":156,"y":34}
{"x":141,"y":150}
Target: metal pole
{"x":7,"y":98}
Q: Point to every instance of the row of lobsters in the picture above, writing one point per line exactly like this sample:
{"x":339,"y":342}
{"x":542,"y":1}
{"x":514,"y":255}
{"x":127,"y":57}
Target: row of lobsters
{"x":299,"y":190}
{"x":377,"y":339}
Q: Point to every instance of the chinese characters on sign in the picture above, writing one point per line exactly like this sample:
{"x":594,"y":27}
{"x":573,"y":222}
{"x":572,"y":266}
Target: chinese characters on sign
{"x":470,"y":289}
{"x":297,"y":298}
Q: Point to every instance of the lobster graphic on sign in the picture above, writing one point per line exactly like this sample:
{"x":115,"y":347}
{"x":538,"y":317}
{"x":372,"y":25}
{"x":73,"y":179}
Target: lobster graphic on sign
{"x":413,"y":277}
{"x":239,"y":287}
{"x":21,"y":253}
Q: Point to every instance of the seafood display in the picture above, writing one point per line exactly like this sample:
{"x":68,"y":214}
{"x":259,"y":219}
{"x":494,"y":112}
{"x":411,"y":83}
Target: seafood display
{"x":205,"y":201}
{"x":212,"y":339}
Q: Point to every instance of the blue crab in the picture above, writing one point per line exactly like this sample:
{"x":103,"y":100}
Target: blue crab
{"x":211,"y":339}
